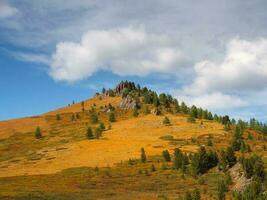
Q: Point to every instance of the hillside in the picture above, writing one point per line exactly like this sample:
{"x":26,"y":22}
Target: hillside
{"x":106,"y":166}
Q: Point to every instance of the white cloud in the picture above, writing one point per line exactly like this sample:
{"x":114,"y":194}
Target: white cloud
{"x":213,"y":101}
{"x":32,"y":57}
{"x":6,"y":10}
{"x":244,"y":68}
{"x":232,"y":82}
{"x":123,"y":51}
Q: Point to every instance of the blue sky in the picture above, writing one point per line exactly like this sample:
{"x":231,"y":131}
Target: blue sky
{"x":209,"y":53}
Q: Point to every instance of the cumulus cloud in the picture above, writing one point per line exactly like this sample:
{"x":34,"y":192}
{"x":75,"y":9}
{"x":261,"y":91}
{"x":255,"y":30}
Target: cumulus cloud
{"x":243,"y":68}
{"x":6,"y":10}
{"x":231,"y":82}
{"x":123,"y":51}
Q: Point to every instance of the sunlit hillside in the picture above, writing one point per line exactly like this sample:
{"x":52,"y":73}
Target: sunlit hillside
{"x":75,"y":165}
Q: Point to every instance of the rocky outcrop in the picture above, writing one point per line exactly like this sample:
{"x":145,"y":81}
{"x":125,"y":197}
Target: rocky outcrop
{"x":128,"y":103}
{"x":120,"y":87}
{"x":123,"y":85}
{"x":239,"y":179}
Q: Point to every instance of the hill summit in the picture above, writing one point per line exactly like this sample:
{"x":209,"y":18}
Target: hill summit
{"x":129,"y":135}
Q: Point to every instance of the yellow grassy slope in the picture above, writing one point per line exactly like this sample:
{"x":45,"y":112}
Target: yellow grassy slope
{"x":29,"y":124}
{"x":120,"y":143}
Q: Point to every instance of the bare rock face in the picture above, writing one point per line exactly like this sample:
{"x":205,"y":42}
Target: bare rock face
{"x":127,"y":103}
{"x":239,"y":179}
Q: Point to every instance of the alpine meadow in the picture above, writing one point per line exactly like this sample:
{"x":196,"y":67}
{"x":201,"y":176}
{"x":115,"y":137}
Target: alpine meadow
{"x":133,"y":100}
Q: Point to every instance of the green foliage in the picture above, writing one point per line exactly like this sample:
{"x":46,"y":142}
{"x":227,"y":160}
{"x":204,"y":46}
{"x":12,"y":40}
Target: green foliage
{"x":253,"y":191}
{"x":188,"y":196}
{"x":156,"y":102}
{"x":165,"y":100}
{"x":98,"y":132}
{"x":250,"y":137}
{"x":196,"y":195}
{"x":180,"y":160}
{"x":253,"y":167}
{"x":163,"y":166}
{"x":89,"y":133}
{"x":244,"y":147}
{"x":102,"y":126}
{"x":143,"y":155}
{"x":166,"y":155}
{"x":191,"y":119}
{"x":112,"y":117}
{"x":184,"y":108}
{"x":146,"y":110}
{"x":227,"y":127}
{"x":225,"y":119}
{"x":82,"y":105}
{"x":227,"y":159}
{"x":221,"y":190}
{"x":38,"y":133}
{"x":166,"y":121}
{"x":72,"y":117}
{"x":135,"y":112}
{"x":237,"y":138}
{"x":194,"y":112}
{"x":176,"y":106}
{"x":103,"y":90}
{"x":152,"y":168}
{"x":202,"y":161}
{"x":93,"y":116}
{"x":210,"y":143}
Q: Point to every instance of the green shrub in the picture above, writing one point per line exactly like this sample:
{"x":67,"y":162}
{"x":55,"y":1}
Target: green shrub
{"x":166,"y":121}
{"x":89,"y":133}
{"x":112,"y":117}
{"x":38,"y":133}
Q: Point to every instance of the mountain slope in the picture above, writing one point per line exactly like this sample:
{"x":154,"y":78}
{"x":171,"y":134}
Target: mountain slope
{"x":64,"y":155}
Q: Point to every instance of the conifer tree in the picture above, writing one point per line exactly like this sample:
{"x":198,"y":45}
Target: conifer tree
{"x":176,"y":106}
{"x":184,"y":108}
{"x":98,"y":132}
{"x":38,"y":133}
{"x":143,"y":155}
{"x":178,"y":159}
{"x":89,"y":133}
{"x":102,"y":126}
{"x":135,"y":112}
{"x":166,"y":155}
{"x":230,"y":156}
{"x":146,"y":110}
{"x":112,"y":117}
{"x":166,"y":121}
{"x":156,"y":100}
{"x":93,"y":117}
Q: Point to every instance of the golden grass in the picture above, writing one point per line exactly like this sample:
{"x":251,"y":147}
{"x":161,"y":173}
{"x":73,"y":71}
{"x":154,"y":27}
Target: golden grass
{"x":65,"y":146}
{"x":120,"y":143}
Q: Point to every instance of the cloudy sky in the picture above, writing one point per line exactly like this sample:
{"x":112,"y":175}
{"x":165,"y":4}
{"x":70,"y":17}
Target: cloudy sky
{"x":209,"y":53}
